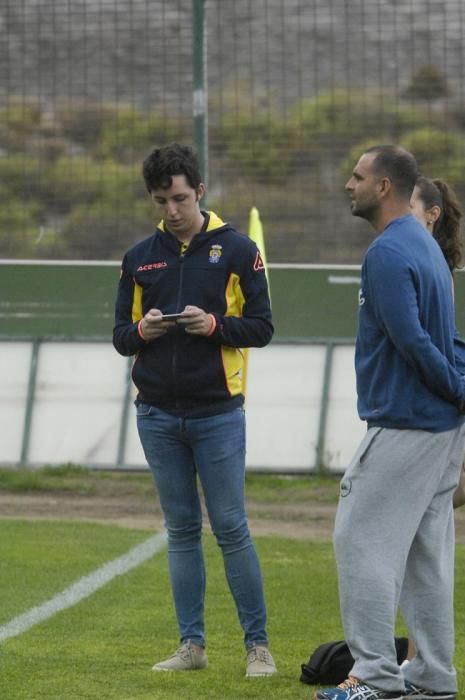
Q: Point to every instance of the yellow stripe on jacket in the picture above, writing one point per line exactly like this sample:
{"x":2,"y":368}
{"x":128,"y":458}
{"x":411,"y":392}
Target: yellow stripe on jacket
{"x":137,"y":303}
{"x":233,"y":358}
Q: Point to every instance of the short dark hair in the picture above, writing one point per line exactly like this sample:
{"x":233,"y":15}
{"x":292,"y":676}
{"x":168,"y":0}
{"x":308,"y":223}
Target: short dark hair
{"x":398,"y":165}
{"x":173,"y":159}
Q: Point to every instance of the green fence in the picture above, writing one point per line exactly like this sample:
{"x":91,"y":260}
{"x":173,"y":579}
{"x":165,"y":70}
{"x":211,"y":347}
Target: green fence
{"x":76,"y":300}
{"x":312,"y":305}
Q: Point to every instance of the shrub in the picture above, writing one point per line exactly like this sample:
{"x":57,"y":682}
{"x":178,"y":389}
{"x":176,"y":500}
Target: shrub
{"x":132,"y":134}
{"x":427,"y":83}
{"x":102,"y":232}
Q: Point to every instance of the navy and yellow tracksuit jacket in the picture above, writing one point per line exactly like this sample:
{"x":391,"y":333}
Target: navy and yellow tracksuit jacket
{"x":222,"y":273}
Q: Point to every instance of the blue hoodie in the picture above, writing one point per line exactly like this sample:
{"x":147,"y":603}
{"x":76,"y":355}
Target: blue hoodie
{"x":404,"y":358}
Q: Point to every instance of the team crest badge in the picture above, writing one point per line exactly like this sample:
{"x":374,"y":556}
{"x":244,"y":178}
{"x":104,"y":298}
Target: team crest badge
{"x":215,"y":253}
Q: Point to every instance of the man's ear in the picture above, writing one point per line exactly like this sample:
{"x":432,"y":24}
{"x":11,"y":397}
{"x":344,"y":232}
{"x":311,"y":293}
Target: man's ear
{"x":200,"y":191}
{"x":384,"y":186}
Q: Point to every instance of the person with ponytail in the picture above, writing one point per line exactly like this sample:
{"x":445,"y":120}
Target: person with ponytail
{"x":435,"y":204}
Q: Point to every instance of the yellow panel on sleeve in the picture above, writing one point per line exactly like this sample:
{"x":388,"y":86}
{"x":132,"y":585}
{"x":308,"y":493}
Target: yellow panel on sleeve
{"x":137,"y":303}
{"x":233,"y":358}
{"x":234,"y":296}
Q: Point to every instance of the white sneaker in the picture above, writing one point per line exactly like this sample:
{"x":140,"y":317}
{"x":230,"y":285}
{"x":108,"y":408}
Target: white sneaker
{"x":260,"y":662}
{"x":189,"y":657}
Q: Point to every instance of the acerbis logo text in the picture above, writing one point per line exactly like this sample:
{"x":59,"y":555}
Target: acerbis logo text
{"x":152,"y":266}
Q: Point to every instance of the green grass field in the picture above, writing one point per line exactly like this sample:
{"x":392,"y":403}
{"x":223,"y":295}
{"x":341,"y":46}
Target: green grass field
{"x":103,"y":647}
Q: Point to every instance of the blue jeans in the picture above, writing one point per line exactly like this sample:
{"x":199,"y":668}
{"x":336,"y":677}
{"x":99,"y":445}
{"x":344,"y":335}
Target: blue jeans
{"x":177,"y":451}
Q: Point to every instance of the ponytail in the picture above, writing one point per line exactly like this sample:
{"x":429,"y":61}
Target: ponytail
{"x":447,"y":229}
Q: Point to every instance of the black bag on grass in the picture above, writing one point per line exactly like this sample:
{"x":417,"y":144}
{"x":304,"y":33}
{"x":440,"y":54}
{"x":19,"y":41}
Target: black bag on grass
{"x":330,"y":663}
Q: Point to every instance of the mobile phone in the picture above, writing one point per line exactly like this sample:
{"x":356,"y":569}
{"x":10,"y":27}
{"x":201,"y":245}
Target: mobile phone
{"x":171,"y":317}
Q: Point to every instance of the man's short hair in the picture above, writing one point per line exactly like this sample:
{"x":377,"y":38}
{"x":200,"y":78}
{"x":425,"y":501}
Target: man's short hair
{"x":173,"y":159}
{"x":398,"y":165}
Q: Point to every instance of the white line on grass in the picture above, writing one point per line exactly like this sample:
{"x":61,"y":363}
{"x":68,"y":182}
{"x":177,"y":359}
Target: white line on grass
{"x":84,"y":587}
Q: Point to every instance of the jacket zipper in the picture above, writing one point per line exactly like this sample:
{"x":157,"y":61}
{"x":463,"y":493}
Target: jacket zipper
{"x":178,"y":301}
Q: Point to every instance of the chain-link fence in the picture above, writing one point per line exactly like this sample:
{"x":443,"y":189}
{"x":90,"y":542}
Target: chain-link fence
{"x":296,"y":91}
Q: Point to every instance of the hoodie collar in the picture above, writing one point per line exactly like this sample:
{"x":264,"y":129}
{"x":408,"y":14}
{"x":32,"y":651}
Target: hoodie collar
{"x":212,"y":223}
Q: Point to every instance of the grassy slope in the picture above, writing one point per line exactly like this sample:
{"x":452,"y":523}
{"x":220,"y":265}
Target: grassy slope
{"x":74,"y":479}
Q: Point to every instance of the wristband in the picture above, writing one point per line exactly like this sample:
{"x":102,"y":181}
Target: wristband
{"x":213,"y":325}
{"x":139,"y":329}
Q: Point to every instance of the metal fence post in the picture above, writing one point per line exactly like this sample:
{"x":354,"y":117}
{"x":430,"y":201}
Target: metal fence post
{"x":123,"y":429}
{"x":31,"y":388}
{"x":320,"y":448}
{"x":200,"y":92}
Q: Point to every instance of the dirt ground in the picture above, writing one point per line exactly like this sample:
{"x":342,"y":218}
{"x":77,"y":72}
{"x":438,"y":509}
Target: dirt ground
{"x":302,"y":520}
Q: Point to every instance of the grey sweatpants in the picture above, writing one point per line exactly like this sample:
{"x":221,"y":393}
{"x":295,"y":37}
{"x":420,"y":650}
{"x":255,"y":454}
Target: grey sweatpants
{"x":394,"y":545}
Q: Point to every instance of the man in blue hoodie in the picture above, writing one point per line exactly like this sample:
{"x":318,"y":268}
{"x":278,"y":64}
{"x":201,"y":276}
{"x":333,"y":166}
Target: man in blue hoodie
{"x":394,"y":530}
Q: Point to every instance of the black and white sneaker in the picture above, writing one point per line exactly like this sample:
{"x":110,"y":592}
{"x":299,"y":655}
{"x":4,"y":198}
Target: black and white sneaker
{"x":413,"y":691}
{"x":355,"y":689}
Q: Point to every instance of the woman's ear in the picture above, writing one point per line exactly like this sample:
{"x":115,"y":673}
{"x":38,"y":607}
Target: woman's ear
{"x":434,"y":213}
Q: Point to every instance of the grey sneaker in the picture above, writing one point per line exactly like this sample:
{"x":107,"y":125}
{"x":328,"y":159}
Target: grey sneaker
{"x":189,"y":657}
{"x":259,"y":662}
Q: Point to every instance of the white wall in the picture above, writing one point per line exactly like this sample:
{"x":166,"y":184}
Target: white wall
{"x":79,"y":398}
